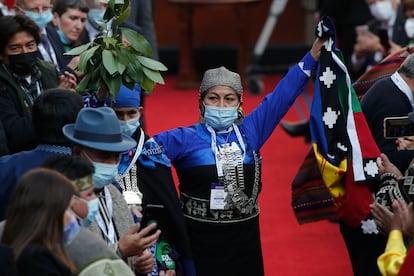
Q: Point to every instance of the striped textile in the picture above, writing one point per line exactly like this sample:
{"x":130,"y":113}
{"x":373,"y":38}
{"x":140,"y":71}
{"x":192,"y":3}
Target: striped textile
{"x":384,"y":69}
{"x":311,"y":201}
{"x":344,"y":150}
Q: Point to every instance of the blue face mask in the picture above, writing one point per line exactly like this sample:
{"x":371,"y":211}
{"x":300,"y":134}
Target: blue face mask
{"x":104,"y":174}
{"x":220,"y":118}
{"x":71,"y":228}
{"x":63,"y":38}
{"x":129,"y":127}
{"x":93,"y":208}
{"x":95,"y":15}
{"x":41,"y":19}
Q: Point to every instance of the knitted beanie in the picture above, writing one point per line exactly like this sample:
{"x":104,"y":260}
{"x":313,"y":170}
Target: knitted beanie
{"x":221,"y":76}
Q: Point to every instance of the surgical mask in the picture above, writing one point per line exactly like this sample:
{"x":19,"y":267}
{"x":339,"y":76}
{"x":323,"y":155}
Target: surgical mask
{"x":382,"y":10}
{"x":409,"y":27}
{"x":95,"y":15}
{"x":220,"y":118}
{"x":22,"y":64}
{"x":130,"y":126}
{"x":63,"y":38}
{"x":93,"y":208}
{"x":71,"y":228}
{"x":41,"y":19}
{"x":104,"y":174}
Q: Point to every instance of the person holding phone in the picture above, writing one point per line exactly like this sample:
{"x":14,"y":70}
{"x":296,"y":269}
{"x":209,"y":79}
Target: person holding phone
{"x":380,"y":37}
{"x":97,"y":137}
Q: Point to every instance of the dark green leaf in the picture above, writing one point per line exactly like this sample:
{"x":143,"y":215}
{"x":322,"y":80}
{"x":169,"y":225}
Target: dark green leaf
{"x":134,"y":71}
{"x":153,"y":75}
{"x":152,"y":63}
{"x":137,"y":41}
{"x":86,"y":57}
{"x":78,"y":50}
{"x":114,"y":85}
{"x":109,"y":62}
{"x":147,"y":85}
{"x":83,"y":84}
{"x":110,"y":42}
{"x":122,"y":17}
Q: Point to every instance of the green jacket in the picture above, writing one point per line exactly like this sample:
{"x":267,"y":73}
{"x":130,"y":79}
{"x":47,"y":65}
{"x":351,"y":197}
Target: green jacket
{"x":15,"y":107}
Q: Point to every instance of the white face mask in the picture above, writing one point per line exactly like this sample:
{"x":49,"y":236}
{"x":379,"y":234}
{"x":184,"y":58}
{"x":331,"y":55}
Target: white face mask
{"x":409,"y":27}
{"x":382,"y":10}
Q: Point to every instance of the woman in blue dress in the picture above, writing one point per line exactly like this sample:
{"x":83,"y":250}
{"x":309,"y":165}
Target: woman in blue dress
{"x":218,"y":164}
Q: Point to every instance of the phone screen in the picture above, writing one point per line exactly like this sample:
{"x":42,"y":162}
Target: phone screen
{"x":395,"y":127}
{"x":153,"y":213}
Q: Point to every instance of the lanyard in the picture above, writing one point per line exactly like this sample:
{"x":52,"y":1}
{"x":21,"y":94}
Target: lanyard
{"x":214,"y":147}
{"x":108,"y":230}
{"x":137,"y":153}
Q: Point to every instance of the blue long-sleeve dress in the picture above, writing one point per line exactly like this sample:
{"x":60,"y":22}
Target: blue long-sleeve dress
{"x":225,"y":238}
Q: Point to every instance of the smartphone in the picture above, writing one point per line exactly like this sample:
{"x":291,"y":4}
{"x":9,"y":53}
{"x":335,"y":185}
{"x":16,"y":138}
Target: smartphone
{"x":395,"y":127}
{"x":383,"y":36}
{"x":153,"y":213}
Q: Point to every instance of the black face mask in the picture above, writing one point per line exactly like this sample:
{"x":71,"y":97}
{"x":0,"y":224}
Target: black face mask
{"x":22,"y":64}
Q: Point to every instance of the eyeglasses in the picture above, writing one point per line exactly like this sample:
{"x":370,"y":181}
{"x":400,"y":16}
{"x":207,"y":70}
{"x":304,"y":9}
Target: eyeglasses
{"x":39,"y":9}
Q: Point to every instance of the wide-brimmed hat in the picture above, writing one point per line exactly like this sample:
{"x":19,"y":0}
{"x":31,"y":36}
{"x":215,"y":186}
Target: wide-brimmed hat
{"x":98,"y":128}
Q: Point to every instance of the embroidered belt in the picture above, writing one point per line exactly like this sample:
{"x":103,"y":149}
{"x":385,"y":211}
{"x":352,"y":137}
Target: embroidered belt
{"x":199,"y":209}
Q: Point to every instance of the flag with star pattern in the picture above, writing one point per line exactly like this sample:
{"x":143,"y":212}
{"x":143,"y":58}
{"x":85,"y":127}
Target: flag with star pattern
{"x":344,"y":148}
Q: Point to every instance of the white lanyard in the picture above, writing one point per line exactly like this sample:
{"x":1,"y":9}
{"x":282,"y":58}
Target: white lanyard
{"x":137,"y":152}
{"x":214,"y":147}
{"x":110,"y":231}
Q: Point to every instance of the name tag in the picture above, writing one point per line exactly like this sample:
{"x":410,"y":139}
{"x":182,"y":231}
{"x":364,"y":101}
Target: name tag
{"x":217,"y":196}
{"x":132,"y":197}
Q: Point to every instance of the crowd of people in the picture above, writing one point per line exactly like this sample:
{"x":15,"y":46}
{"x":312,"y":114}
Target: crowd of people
{"x":82,"y":175}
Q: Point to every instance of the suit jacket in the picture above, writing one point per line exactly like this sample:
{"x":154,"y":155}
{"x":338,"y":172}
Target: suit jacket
{"x":385,"y":99}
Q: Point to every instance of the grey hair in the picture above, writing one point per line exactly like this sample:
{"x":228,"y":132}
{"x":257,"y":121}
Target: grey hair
{"x":407,"y":67}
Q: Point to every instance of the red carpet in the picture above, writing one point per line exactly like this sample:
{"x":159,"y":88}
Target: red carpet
{"x":288,"y":248}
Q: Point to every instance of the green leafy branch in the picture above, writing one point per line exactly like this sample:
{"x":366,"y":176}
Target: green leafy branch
{"x":107,"y":62}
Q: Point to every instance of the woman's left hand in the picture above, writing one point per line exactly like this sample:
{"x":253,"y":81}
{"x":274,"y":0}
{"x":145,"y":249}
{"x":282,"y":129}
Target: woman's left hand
{"x":315,"y":51}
